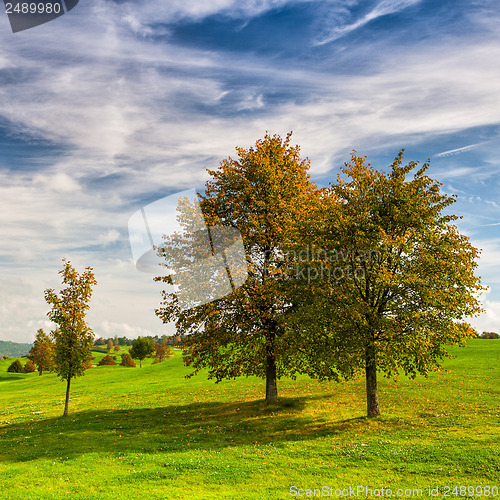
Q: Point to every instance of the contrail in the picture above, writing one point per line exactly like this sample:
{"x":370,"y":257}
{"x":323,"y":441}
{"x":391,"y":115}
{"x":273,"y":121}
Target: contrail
{"x":460,"y":150}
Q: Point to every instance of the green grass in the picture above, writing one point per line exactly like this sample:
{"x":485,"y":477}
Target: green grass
{"x":150,"y":433}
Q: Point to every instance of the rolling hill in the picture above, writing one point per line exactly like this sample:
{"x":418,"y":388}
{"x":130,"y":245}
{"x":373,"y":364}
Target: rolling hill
{"x":13,"y":349}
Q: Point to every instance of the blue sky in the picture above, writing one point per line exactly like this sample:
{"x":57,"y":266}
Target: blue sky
{"x":118,"y":104}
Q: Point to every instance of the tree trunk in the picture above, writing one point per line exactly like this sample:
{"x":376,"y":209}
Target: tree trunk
{"x":271,"y":383}
{"x":140,"y":363}
{"x":372,"y":408}
{"x":67,"y":398}
{"x":40,"y":370}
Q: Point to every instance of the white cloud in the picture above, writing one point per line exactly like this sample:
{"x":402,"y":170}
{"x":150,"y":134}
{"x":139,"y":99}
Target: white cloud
{"x":59,"y":182}
{"x":110,"y":329}
{"x":382,"y":8}
{"x":489,"y":321}
{"x":173,"y":10}
{"x":152,"y":116}
{"x":112,"y":236}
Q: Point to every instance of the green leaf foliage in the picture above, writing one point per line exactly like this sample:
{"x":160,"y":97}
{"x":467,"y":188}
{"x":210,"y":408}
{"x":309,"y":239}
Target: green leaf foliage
{"x":142,"y":348}
{"x":385,"y":281}
{"x":15,"y":367}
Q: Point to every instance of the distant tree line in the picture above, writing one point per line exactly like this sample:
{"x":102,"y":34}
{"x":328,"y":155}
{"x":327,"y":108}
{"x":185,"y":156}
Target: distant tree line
{"x":112,"y":342}
{"x":489,"y":335}
{"x":41,"y":355}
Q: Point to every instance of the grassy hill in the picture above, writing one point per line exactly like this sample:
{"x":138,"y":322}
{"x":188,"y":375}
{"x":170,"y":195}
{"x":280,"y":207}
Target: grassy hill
{"x":151,"y":433}
{"x":13,"y":349}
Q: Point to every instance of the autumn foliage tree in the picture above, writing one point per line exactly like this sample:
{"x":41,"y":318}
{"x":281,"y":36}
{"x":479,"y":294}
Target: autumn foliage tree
{"x":107,"y":360}
{"x":388,"y":281}
{"x":73,"y":338}
{"x":259,"y":193}
{"x":127,"y":360}
{"x":162,"y":350}
{"x":29,"y":367}
{"x":42,"y":351}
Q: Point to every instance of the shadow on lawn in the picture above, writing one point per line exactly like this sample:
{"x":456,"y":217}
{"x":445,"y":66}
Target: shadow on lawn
{"x":174,"y":428}
{"x":9,"y":378}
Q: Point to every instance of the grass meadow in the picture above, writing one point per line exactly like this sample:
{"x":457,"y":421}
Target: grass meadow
{"x":151,"y":433}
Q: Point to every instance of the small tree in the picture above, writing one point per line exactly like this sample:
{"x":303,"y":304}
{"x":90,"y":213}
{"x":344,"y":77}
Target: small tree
{"x":29,"y":367}
{"x":15,"y":367}
{"x":117,"y":348}
{"x":100,"y":341}
{"x":127,"y":360}
{"x":42,"y":352}
{"x":162,"y":351}
{"x":142,"y":348}
{"x":110,"y":345}
{"x":107,"y":360}
{"x":73,"y":338}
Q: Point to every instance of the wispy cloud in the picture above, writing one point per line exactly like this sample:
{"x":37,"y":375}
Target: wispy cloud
{"x":134,"y":117}
{"x":383,"y":8}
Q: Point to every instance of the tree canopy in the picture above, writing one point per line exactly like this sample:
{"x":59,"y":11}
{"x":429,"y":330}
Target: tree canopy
{"x":386,"y":280}
{"x":259,"y":193}
{"x":367,"y":275}
{"x":142,"y":348}
{"x":42,"y":351}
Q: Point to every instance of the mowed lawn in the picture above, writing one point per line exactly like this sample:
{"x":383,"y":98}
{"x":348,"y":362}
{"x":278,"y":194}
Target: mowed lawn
{"x":150,"y":433}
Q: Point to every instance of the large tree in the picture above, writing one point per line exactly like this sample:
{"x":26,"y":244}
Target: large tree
{"x":259,"y":194}
{"x":73,"y":338}
{"x":42,"y":351}
{"x":382,"y":279}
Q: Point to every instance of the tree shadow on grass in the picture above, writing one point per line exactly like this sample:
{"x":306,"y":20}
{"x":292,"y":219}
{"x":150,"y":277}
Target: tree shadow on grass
{"x":9,"y":378}
{"x":175,"y":428}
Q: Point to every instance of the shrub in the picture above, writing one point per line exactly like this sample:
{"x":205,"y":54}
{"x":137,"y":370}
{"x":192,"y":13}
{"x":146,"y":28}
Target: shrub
{"x":107,"y":360}
{"x":30,"y":367}
{"x":127,"y":360}
{"x":16,"y":367}
{"x":87,"y":364}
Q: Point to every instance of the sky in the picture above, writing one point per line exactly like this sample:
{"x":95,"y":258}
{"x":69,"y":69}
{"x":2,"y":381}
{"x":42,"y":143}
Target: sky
{"x":117,"y":104}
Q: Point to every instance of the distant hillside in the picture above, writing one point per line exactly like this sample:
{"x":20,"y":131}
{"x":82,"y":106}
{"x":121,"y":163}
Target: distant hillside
{"x":13,"y":350}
